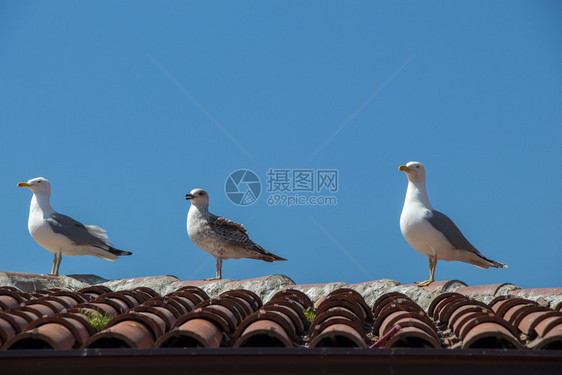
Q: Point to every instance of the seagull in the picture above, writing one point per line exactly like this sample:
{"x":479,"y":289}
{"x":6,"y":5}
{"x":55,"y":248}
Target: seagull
{"x":220,"y":237}
{"x":61,"y":234}
{"x":431,"y":232}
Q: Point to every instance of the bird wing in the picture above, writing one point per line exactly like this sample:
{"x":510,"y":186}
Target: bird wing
{"x":77,"y":232}
{"x":237,"y":235}
{"x":226,"y":227}
{"x":443,"y":224}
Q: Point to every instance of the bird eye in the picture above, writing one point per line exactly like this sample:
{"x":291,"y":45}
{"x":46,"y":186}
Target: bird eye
{"x":417,"y":166}
{"x":38,"y":182}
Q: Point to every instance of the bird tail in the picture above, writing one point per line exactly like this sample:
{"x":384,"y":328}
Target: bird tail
{"x":276,"y":257}
{"x":118,"y":252}
{"x":492,"y":263}
{"x":498,"y":264}
{"x":266,"y":255}
{"x":98,"y":232}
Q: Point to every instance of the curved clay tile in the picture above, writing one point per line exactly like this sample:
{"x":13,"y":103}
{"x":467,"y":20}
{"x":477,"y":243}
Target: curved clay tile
{"x":39,"y":309}
{"x":336,"y":311}
{"x":501,"y":307}
{"x":461,"y":312}
{"x":221,"y":321}
{"x":528,"y":324}
{"x":62,"y":331}
{"x":47,"y":336}
{"x":339,"y":335}
{"x":195,"y":298}
{"x":150,"y":293}
{"x":129,"y":298}
{"x":11,"y":298}
{"x":552,"y":340}
{"x":290,"y":310}
{"x":7,"y":329}
{"x":98,"y":307}
{"x":516,"y":313}
{"x":438,"y":302}
{"x":252,"y":298}
{"x":264,"y":333}
{"x":383,"y":300}
{"x":407,"y":319}
{"x":475,"y":319}
{"x":412,"y":337}
{"x":350,"y":305}
{"x":548,"y":324}
{"x":449,"y":309}
{"x":171,"y":305}
{"x":126,"y":334}
{"x":8,"y":302}
{"x":166,"y":315}
{"x":96,"y":290}
{"x":295,"y":295}
{"x":184,"y":300}
{"x":490,"y":335}
{"x":194,"y":333}
{"x":350,"y":294}
{"x":281,"y":319}
{"x":137,"y":328}
{"x":200,"y":293}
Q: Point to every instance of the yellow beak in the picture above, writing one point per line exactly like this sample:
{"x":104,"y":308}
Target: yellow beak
{"x":403,"y":168}
{"x":23,"y":184}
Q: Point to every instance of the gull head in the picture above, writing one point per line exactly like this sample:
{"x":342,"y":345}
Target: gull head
{"x":37,"y":185}
{"x":414,"y":171}
{"x":198,"y":197}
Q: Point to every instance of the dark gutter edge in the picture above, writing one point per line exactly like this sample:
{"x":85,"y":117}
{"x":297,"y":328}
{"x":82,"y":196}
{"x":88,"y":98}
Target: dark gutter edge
{"x":273,"y":361}
{"x":166,"y":352}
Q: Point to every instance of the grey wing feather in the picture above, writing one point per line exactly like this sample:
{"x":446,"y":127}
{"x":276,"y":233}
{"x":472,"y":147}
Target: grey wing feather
{"x":74,"y":230}
{"x":67,"y":220}
{"x":443,"y":224}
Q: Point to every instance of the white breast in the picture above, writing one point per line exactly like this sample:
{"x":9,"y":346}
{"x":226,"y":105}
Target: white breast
{"x":42,"y":233}
{"x":422,"y":236}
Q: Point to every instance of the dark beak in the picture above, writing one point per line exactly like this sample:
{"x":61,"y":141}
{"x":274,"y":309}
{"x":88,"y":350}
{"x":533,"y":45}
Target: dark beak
{"x":188,"y":196}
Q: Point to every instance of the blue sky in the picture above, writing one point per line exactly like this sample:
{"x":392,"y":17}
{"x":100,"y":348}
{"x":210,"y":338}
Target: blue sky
{"x":126,"y":106}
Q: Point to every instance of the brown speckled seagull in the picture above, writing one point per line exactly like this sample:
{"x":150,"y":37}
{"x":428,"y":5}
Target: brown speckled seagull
{"x":220,"y":237}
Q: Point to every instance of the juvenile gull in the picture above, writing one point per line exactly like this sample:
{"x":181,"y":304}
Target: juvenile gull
{"x":61,"y":234}
{"x":220,"y":237}
{"x":431,"y":232}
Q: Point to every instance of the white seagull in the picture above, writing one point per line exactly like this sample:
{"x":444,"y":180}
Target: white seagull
{"x":61,"y":234}
{"x":220,"y":237}
{"x":431,"y":232}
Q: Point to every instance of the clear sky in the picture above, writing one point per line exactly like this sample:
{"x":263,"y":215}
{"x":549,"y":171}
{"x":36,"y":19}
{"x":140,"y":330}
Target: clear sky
{"x":126,"y":106}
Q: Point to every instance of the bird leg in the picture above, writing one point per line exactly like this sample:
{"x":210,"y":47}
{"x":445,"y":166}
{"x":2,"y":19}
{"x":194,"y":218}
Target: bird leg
{"x":219,"y":268}
{"x":432,"y":266}
{"x":58,"y":265}
{"x":54,"y":265}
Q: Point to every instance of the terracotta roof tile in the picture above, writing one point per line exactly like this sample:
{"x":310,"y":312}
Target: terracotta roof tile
{"x":491,"y":290}
{"x":272,"y":312}
{"x":445,"y":286}
{"x":537,"y":292}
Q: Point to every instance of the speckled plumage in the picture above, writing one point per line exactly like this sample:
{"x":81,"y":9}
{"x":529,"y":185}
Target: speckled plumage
{"x":219,"y":236}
